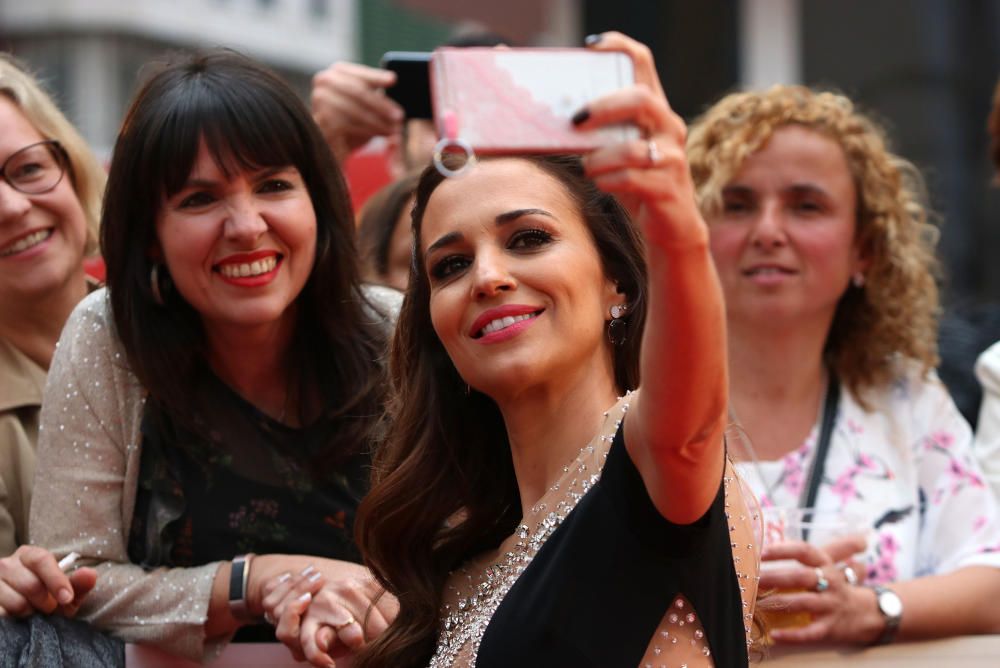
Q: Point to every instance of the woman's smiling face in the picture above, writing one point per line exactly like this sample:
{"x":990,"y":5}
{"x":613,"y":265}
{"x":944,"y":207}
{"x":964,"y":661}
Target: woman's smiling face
{"x":519,"y":295}
{"x":240,"y":246}
{"x":43,"y":235}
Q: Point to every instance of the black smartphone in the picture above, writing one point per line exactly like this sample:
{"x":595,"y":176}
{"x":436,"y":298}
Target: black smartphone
{"x":412,"y":90}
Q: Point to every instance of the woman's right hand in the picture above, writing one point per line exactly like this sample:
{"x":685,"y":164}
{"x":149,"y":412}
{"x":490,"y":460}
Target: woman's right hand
{"x":321,"y":620}
{"x":31,"y":581}
{"x":349,"y":107}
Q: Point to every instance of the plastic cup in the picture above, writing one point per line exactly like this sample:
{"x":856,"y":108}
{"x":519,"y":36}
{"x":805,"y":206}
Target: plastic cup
{"x":814,"y":526}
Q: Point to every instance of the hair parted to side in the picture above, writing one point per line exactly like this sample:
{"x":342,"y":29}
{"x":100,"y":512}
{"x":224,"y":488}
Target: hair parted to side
{"x":443,"y":486}
{"x":248,"y":118}
{"x":895,"y":314}
{"x":993,"y":127}
{"x":84,"y":170}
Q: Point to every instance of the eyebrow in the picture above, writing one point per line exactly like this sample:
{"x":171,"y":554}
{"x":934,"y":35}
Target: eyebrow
{"x":258,"y":175}
{"x":795,"y":189}
{"x":808,"y":189}
{"x":501,"y":219}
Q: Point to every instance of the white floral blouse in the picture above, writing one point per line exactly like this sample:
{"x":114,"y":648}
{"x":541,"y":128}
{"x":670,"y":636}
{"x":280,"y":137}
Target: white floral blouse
{"x":907,"y":469}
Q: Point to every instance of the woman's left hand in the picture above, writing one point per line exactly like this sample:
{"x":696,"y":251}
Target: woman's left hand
{"x":827,"y":586}
{"x":322,"y":623}
{"x":649,"y":175}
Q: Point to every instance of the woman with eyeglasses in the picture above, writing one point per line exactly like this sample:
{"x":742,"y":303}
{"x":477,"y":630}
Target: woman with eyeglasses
{"x":50,"y":197}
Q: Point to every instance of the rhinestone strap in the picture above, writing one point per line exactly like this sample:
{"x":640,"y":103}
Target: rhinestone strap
{"x":473,"y":594}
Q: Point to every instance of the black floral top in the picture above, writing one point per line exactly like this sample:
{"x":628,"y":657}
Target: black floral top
{"x":238,"y":481}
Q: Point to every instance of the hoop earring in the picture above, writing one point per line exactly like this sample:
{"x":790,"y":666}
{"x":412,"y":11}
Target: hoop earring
{"x":858,"y":280}
{"x":154,"y":283}
{"x":618,"y":328}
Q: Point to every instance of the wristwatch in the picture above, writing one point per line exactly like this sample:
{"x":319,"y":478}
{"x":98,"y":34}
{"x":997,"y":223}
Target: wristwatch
{"x":891,"y":607}
{"x":239,"y":575}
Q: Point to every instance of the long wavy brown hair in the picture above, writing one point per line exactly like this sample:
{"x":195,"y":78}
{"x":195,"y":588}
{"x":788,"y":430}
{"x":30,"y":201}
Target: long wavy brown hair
{"x":895,"y":313}
{"x":443,"y":487}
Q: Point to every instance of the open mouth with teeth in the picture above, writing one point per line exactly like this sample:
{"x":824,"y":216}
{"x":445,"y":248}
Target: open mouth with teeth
{"x":504,"y":322}
{"x":26,"y":242}
{"x":259,"y":267}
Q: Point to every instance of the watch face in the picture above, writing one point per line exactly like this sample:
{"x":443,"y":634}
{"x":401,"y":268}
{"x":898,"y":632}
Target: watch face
{"x":889,"y":604}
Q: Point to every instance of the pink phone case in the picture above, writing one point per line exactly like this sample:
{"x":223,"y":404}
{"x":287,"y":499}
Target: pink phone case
{"x":522,"y":100}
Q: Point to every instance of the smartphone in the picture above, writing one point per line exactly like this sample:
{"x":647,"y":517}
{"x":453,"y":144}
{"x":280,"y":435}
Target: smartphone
{"x":412,"y":90}
{"x":522,"y":99}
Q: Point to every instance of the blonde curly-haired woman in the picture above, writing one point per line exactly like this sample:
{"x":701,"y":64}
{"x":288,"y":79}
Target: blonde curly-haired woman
{"x":826,"y":261}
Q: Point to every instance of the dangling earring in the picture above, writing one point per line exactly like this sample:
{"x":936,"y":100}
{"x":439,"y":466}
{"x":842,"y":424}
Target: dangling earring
{"x":617,"y":328}
{"x":858,"y":280}
{"x":154,"y":283}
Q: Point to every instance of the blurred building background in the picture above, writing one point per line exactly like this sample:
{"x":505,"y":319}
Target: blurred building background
{"x":925,"y":67}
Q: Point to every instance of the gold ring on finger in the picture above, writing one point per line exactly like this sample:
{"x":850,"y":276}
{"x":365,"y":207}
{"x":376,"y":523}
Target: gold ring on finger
{"x":344,"y":625}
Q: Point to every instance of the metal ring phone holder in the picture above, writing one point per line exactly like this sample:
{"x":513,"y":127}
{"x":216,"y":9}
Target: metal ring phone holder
{"x":450,"y":140}
{"x":442,"y":147}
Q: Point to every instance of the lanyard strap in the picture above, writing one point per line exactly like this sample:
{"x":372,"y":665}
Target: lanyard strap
{"x":830,"y":403}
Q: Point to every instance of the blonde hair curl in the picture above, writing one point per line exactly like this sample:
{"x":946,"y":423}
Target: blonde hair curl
{"x":895,"y":314}
{"x":86,"y":173}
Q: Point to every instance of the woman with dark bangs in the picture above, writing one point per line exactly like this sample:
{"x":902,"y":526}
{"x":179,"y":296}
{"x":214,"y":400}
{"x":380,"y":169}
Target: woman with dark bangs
{"x":208,"y":417}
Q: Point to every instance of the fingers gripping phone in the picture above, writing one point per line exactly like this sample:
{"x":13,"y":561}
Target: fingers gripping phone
{"x":522,"y":100}
{"x":510,"y":100}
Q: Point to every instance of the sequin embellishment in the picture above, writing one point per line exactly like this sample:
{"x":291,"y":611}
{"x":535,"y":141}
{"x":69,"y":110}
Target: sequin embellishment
{"x":471,"y":600}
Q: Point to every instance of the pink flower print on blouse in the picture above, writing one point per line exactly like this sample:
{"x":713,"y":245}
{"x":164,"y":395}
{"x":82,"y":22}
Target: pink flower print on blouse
{"x":883,"y":569}
{"x":959,"y":476}
{"x":940,"y":441}
{"x":844,"y":486}
{"x":793,"y":476}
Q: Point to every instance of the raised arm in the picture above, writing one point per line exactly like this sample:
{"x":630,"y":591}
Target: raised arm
{"x":348,"y":106}
{"x":674,"y":432}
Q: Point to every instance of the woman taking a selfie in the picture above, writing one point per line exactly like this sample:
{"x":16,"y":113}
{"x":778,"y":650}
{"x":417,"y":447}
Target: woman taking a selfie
{"x":825,"y":256}
{"x":50,"y":200}
{"x":208,"y":418}
{"x":524,"y":511}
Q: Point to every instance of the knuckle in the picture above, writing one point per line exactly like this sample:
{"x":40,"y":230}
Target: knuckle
{"x":19,"y":609}
{"x":644,"y":53}
{"x":31,"y":554}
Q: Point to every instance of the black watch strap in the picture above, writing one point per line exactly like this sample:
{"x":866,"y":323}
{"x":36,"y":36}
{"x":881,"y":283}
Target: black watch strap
{"x":239,"y":575}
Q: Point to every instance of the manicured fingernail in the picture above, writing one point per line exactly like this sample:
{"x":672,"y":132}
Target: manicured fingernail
{"x":580,"y":116}
{"x":305,"y":597}
{"x":65,"y":596}
{"x":284,"y":577}
{"x":315,"y":576}
{"x":307,"y":570}
{"x":591,"y":40}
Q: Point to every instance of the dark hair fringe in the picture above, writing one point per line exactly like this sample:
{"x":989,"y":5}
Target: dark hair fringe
{"x":248,"y":118}
{"x":450,"y":444}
